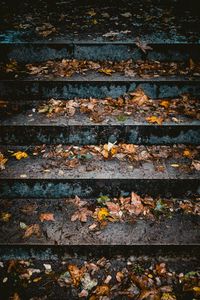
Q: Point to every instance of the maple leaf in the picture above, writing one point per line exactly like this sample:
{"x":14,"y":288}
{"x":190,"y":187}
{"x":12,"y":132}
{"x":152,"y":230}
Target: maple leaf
{"x":154,"y":119}
{"x":47,"y":217}
{"x":32,"y":229}
{"x":114,"y":209}
{"x":101,"y":213}
{"x":142,"y":45}
{"x":76,"y":274}
{"x":3,"y":161}
{"x":139,"y":97}
{"x":19,"y":155}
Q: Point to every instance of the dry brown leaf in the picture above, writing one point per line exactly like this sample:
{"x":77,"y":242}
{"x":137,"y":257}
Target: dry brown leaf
{"x":196,"y":164}
{"x":32,"y":230}
{"x":47,"y":217}
{"x":102,"y":290}
{"x":3,"y":161}
{"x":82,"y":215}
{"x":139,"y":97}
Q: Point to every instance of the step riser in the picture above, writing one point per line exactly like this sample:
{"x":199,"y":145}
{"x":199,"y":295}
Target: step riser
{"x":91,"y":135}
{"x":52,"y":188}
{"x":29,"y":53}
{"x":32,"y":90}
{"x":173,"y":253}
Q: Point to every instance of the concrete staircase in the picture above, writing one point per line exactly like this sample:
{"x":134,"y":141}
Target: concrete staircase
{"x":39,"y":192}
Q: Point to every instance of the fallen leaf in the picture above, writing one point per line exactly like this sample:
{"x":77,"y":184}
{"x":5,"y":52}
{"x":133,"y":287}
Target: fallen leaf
{"x":154,"y":119}
{"x":187,"y":153}
{"x":196,"y":164}
{"x":32,"y":230}
{"x":102,"y":213}
{"x":5,"y":216}
{"x":76,"y":274}
{"x":165,"y":103}
{"x":3,"y":161}
{"x":139,"y":97}
{"x":106,"y":71}
{"x":142,"y":45}
{"x":82,"y":215}
{"x":119,"y":276}
{"x":102,"y":290}
{"x":19,"y":155}
{"x":46,"y":217}
{"x":15,"y":297}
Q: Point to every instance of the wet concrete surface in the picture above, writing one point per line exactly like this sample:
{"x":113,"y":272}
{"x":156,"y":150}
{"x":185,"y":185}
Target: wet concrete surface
{"x":173,"y":230}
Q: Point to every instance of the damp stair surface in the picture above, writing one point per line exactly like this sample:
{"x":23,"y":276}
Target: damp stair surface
{"x":99,"y":165}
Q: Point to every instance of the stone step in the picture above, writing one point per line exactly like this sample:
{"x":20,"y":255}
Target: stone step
{"x":25,"y":52}
{"x":152,"y":21}
{"x":50,"y":222}
{"x":98,"y":86}
{"x":46,"y":269}
{"x":47,"y":172}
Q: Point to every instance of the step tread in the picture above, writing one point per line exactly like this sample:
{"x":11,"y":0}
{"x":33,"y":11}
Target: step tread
{"x":32,"y":117}
{"x":137,"y":264}
{"x":166,"y":24}
{"x":52,"y":165}
{"x":179,"y":228}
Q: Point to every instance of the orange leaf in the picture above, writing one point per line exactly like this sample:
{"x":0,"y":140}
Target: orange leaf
{"x":154,"y":119}
{"x":165,"y":103}
{"x":47,"y":217}
{"x":76,"y":274}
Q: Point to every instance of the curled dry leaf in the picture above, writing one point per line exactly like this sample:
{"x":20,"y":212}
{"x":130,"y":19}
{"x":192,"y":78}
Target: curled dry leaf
{"x":3,"y":161}
{"x":106,"y":71}
{"x":47,"y":217}
{"x":139,"y":97}
{"x":76,"y":274}
{"x":82,"y":215}
{"x":155,"y":119}
{"x":32,"y":230}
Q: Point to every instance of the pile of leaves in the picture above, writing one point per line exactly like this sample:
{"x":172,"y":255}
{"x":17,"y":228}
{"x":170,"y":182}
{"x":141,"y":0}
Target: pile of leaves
{"x":128,"y":208}
{"x":73,"y":156}
{"x":136,"y":105}
{"x":69,"y":67}
{"x":101,"y":278}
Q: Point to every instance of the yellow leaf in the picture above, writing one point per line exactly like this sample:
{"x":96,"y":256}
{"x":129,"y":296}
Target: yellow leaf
{"x":106,"y":71}
{"x":19,"y":155}
{"x":102,"y":214}
{"x":5,"y":217}
{"x":165,"y":103}
{"x":175,"y":165}
{"x":91,"y":13}
{"x":37,"y":279}
{"x":154,"y":119}
{"x":102,"y":290}
{"x":196,"y":289}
